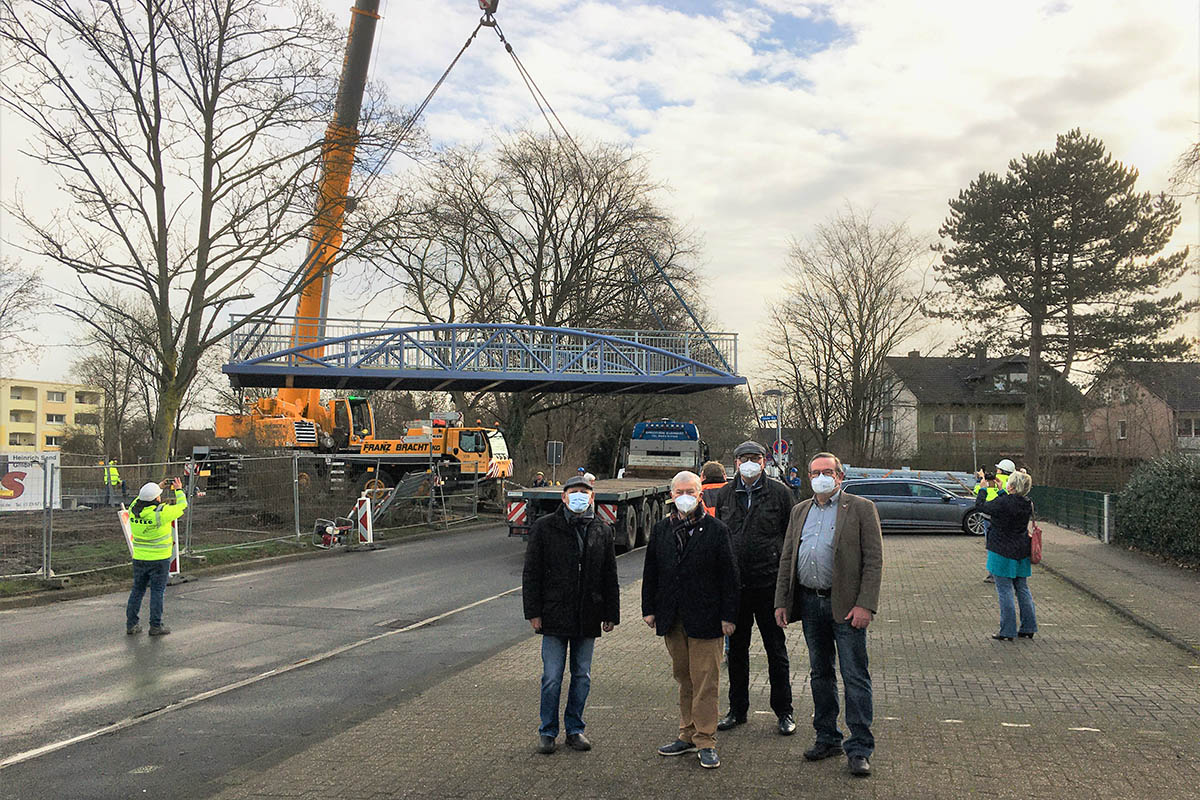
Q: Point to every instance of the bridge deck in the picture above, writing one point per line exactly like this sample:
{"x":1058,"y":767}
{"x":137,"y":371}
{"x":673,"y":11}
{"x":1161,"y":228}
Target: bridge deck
{"x":473,"y":357}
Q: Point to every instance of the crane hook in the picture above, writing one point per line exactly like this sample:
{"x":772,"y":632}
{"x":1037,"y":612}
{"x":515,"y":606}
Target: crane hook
{"x":489,"y":8}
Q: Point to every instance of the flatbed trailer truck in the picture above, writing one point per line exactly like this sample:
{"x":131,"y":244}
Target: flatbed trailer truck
{"x":630,"y":505}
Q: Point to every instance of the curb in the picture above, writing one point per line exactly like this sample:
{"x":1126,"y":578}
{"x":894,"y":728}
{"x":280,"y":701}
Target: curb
{"x":49,"y":596}
{"x":1127,"y":613}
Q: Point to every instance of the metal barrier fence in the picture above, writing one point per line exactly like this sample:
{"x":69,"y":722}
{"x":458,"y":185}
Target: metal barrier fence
{"x":1080,"y":509}
{"x":232,"y":502}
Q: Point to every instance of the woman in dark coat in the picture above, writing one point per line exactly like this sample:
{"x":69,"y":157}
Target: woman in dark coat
{"x":1009,"y":548}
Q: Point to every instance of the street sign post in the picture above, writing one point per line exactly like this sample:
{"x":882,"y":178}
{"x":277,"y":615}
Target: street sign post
{"x":554,"y":457}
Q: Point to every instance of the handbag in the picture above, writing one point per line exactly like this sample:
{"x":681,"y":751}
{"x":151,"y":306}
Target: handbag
{"x":1035,"y":545}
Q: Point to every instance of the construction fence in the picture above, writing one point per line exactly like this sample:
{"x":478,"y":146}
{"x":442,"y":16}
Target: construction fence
{"x":1078,"y":509}
{"x":66,"y":520}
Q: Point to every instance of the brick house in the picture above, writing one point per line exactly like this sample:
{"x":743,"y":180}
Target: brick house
{"x":1143,"y":409}
{"x":942,"y":407}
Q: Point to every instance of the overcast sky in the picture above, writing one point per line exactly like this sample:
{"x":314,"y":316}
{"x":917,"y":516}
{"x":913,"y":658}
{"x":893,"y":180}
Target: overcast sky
{"x":763,"y":117}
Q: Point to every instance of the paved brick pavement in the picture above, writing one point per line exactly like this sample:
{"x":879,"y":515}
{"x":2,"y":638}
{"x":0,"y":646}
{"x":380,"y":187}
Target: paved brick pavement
{"x":1095,"y":707}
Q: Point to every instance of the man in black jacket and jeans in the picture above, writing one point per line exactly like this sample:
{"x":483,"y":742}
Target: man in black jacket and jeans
{"x":756,"y":510}
{"x":570,"y":591}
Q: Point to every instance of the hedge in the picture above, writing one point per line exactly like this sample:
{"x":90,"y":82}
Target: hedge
{"x":1159,"y":509}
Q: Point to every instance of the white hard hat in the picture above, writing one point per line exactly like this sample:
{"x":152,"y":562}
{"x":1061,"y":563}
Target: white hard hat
{"x":1007,"y":465}
{"x":149,"y":491}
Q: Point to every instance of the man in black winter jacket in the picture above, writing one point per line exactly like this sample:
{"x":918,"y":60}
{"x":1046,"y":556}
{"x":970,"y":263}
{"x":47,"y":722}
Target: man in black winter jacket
{"x":689,"y":597}
{"x":756,"y":510}
{"x":570,"y":591}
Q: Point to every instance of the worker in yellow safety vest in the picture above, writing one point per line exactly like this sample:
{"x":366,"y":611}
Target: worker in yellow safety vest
{"x":153,"y":545}
{"x":996,"y":482}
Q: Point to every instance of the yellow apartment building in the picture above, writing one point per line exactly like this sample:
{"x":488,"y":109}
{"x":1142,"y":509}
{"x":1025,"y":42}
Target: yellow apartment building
{"x":35,"y":415}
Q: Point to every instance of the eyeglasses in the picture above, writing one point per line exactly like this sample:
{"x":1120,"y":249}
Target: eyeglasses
{"x":828,"y":473}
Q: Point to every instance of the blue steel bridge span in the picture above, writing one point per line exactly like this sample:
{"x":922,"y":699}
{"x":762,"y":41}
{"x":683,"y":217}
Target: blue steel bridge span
{"x":357,"y":355}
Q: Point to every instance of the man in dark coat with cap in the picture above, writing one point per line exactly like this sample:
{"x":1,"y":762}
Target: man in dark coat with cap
{"x":570,"y":592}
{"x":756,"y":510}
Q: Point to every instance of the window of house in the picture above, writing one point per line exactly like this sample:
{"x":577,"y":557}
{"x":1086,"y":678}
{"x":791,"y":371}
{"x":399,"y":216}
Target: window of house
{"x":1018,"y":378}
{"x":1050,"y":422}
{"x":53,"y":441}
{"x":87,"y":419}
{"x":56,"y":397}
{"x":14,"y":393}
{"x":1124,"y":394}
{"x":14,"y":439}
{"x":997,"y":422}
{"x":941,"y":423}
{"x":1122,"y":429}
{"x":960,"y":423}
{"x":1189,"y":426}
{"x":56,"y":419}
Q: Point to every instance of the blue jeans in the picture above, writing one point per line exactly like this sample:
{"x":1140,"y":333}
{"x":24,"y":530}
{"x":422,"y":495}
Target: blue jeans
{"x":1005,"y":588}
{"x":827,"y":638}
{"x":152,"y":574}
{"x":554,"y":661}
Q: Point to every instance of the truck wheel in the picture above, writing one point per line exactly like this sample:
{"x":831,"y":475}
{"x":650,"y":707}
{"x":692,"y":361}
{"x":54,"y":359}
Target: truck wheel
{"x":645,"y":515}
{"x":629,"y":532}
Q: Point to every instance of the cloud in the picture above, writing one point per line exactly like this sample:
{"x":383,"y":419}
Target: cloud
{"x":764,"y":116}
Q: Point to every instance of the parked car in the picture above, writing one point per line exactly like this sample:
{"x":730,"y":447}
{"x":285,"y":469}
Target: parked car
{"x":907,"y":504}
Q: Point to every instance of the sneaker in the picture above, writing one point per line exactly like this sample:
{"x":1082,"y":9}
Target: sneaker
{"x":708,"y":758}
{"x":821,"y":750}
{"x":677,"y":748}
{"x":159,"y":630}
{"x":577,"y":741}
{"x":130,"y":630}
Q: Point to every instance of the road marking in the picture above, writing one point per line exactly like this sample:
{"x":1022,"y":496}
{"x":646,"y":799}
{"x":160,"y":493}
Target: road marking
{"x":1015,"y":725}
{"x":143,"y":770}
{"x":1089,"y":730}
{"x":953,"y":721}
{"x":129,"y":722}
{"x":237,"y":575}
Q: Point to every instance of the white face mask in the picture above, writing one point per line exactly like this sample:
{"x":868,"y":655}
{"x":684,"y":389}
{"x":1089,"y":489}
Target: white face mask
{"x":579,"y":502}
{"x":749,"y":469}
{"x":823,"y":484}
{"x":686,"y":503}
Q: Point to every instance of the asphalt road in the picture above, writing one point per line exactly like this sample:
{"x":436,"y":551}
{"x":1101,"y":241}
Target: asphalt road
{"x":410,"y":615}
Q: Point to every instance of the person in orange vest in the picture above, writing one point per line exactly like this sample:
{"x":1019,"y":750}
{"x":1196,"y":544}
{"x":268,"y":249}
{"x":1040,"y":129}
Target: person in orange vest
{"x":712,"y":478}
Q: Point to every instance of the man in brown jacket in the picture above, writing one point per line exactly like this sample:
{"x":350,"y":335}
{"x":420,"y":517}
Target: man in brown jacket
{"x":829,"y":576}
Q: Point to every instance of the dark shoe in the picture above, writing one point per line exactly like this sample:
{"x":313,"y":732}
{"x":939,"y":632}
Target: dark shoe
{"x":1023,"y":635}
{"x":577,"y":741}
{"x":730,"y":720}
{"x":159,"y":630}
{"x":130,"y":630}
{"x":859,"y":765}
{"x":546,"y":745}
{"x":1000,"y":638}
{"x":708,"y":758}
{"x":989,"y":579}
{"x":821,"y":750}
{"x":787,"y":725}
{"x":677,"y":748}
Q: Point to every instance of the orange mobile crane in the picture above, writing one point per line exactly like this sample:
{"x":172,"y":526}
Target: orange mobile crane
{"x":295,"y":418}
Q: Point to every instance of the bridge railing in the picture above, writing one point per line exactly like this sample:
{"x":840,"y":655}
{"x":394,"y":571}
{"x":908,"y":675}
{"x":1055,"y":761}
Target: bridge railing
{"x":485,"y":348}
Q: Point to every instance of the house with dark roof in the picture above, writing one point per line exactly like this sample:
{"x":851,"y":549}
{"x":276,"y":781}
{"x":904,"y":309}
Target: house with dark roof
{"x":1143,"y":409}
{"x":945,"y":409}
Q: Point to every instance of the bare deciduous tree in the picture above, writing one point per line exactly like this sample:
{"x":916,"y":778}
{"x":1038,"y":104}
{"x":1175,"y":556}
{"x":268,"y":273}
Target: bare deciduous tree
{"x":21,"y":297}
{"x":538,"y":233}
{"x":851,"y":299}
{"x":186,"y":139}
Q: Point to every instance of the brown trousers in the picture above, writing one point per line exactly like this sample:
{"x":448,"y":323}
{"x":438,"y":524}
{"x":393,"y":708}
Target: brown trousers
{"x":696,"y":664}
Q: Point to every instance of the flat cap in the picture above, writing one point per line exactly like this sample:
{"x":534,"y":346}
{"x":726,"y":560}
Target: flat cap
{"x":749,"y":448}
{"x":579,"y":480}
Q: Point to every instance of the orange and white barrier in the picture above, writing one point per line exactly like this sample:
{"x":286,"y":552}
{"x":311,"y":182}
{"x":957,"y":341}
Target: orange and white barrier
{"x":364,"y":521}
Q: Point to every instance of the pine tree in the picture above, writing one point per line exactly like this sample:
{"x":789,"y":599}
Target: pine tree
{"x":1065,"y":256}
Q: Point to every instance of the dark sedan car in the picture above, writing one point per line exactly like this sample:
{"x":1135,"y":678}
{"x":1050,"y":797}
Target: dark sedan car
{"x":907,"y":504}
